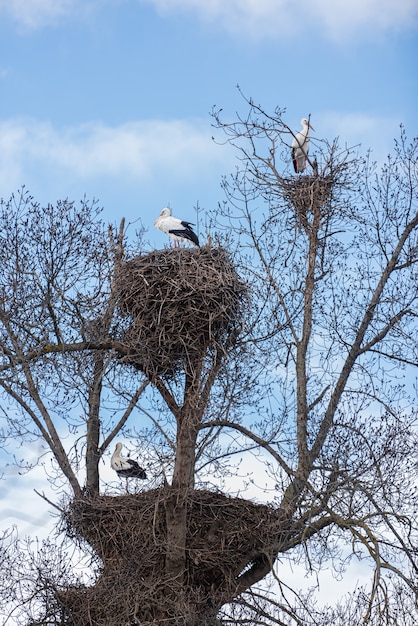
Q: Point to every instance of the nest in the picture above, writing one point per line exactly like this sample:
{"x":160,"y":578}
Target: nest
{"x":309,"y":196}
{"x":179,"y":303}
{"x":225,"y":537}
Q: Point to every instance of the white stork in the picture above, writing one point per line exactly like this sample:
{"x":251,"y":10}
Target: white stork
{"x":126,"y":467}
{"x":300,"y":146}
{"x":177,"y":230}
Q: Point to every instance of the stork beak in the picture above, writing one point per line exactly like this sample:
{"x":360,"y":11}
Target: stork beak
{"x":311,"y":127}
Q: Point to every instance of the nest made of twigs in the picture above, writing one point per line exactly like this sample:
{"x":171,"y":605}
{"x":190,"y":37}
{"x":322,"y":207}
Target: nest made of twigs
{"x":309,"y":195}
{"x":178,"y":303}
{"x":222,"y":531}
{"x":225,"y":535}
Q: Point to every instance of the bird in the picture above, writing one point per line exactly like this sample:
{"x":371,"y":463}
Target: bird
{"x":177,"y":230}
{"x":300,"y":146}
{"x":126,"y":467}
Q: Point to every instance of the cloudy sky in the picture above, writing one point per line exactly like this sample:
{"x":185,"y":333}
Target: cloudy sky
{"x":111,"y":98}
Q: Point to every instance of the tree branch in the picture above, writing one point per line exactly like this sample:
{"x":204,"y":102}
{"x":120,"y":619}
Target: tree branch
{"x":251,"y":435}
{"x":356,"y":347}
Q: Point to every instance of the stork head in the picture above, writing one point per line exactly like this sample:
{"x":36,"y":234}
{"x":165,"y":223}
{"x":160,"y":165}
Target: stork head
{"x":304,"y":122}
{"x":165,"y":212}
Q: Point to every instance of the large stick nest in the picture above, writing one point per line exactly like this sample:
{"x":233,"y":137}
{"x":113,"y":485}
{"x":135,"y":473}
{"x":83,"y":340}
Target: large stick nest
{"x":225,"y":536}
{"x":179,"y":303}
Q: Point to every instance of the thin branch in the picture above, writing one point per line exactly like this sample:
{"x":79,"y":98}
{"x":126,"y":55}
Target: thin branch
{"x":121,"y":423}
{"x":251,"y":435}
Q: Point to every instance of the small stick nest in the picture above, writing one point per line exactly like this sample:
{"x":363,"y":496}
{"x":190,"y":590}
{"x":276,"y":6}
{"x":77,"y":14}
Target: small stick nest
{"x":309,"y":195}
{"x":225,"y":537}
{"x":179,"y":303}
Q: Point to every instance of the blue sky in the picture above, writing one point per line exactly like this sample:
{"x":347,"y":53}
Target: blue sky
{"x":111,"y":99}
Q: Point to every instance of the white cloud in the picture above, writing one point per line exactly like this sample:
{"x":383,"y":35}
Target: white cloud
{"x":174,"y":157}
{"x":370,"y":16}
{"x":136,"y":150}
{"x":35,"y":13}
{"x":359,"y":129}
{"x":339,"y":19}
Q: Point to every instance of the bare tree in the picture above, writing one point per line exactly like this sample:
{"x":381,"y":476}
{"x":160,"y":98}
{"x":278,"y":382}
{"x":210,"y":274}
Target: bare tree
{"x":56,"y":312}
{"x":310,"y":328}
{"x":334,"y":257}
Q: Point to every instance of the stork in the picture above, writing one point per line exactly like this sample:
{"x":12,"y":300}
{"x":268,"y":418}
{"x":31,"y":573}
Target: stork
{"x":126,"y":467}
{"x":177,"y":230}
{"x":300,"y":146}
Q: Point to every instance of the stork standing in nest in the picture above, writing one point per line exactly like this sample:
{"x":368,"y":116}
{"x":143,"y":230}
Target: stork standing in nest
{"x":127,"y":468}
{"x":177,"y":230}
{"x":300,"y":146}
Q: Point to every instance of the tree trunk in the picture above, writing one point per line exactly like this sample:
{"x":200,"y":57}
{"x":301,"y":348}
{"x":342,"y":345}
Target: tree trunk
{"x":177,"y":502}
{"x":93,"y":428}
